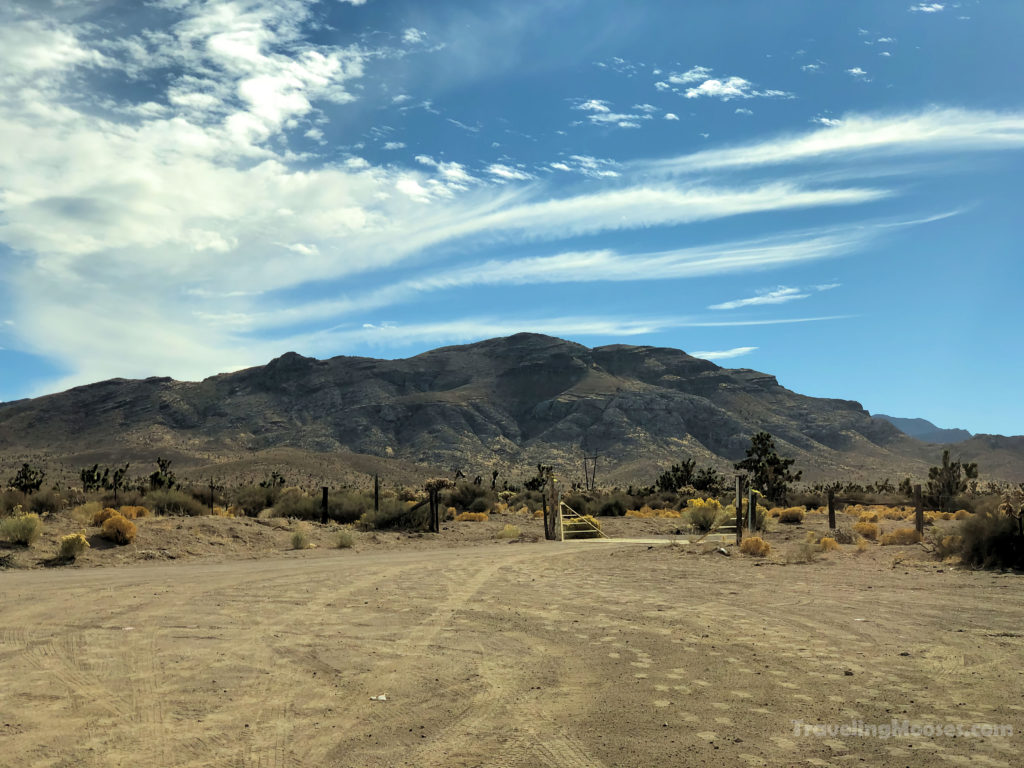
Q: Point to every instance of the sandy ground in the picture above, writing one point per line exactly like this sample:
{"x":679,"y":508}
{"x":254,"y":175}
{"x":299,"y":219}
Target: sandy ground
{"x":513,"y":654}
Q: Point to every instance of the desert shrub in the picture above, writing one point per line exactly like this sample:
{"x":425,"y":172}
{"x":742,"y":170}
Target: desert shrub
{"x":896,"y":513}
{"x":45,"y":502}
{"x":83,"y":513}
{"x":463,"y":495}
{"x":868,"y":517}
{"x":472,"y":517}
{"x":703,"y":518}
{"x":804,"y":552}
{"x":293,"y":502}
{"x":862,"y":546}
{"x":509,"y":532}
{"x":101,"y":516}
{"x":11,"y":500}
{"x":843,"y":535}
{"x":300,"y":540}
{"x":827,"y":544}
{"x":992,"y":541}
{"x":947,"y":546}
{"x":961,"y":514}
{"x":612,"y":508}
{"x":71,"y":546}
{"x":348,"y":506}
{"x":253,"y":499}
{"x":132,"y":513}
{"x":867,"y":530}
{"x":119,"y":530}
{"x":755,"y":546}
{"x":395,"y":514}
{"x":345,"y":540}
{"x":479,"y":506}
{"x":20,"y":528}
{"x":791,"y":515}
{"x":175,"y":503}
{"x":900,"y":537}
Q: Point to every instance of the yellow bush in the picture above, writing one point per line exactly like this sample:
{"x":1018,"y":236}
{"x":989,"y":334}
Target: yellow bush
{"x":131,"y":513}
{"x":867,"y":530}
{"x":868,"y":517}
{"x":901,"y":536}
{"x":755,"y":546}
{"x":895,"y":513}
{"x":792,"y":515}
{"x":119,"y":530}
{"x":961,"y":514}
{"x":71,"y":546}
{"x":862,"y":546}
{"x":775,"y":511}
{"x":101,"y":516}
{"x":646,"y":512}
{"x":538,"y":513}
{"x":712,"y":503}
{"x":827,"y":544}
{"x":472,"y":517}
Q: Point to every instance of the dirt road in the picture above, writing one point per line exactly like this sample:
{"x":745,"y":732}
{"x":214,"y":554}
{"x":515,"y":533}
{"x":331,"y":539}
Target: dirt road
{"x":561,"y":655}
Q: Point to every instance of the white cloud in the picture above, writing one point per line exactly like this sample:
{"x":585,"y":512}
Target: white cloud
{"x":936,"y":131}
{"x":780,"y":295}
{"x":927,"y":7}
{"x":671,"y":116}
{"x":594,"y":105}
{"x":730,"y":88}
{"x":600,"y":113}
{"x":725,"y":354}
{"x":508,"y":173}
{"x":413,"y":36}
{"x":857,"y":73}
{"x":392,"y":145}
{"x":811,"y":67}
{"x":742,"y":111}
{"x":694,"y":75}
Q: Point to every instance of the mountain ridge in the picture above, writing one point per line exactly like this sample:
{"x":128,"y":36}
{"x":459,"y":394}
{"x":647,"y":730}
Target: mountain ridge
{"x":506,"y":403}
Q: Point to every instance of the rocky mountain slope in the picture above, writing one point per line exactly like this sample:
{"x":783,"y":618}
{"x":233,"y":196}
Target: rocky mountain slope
{"x":505,"y":403}
{"x":924,"y":430}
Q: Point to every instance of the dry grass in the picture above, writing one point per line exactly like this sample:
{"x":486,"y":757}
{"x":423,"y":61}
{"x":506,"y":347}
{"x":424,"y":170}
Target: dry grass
{"x":868,"y":517}
{"x":867,"y":529}
{"x":755,"y":546}
{"x":828,"y":544}
{"x":119,"y":529}
{"x":961,"y":514}
{"x":300,"y":540}
{"x":648,"y":513}
{"x":901,"y":536}
{"x":84,"y":513}
{"x":472,"y":517}
{"x":862,"y":546}
{"x":21,"y":529}
{"x":896,"y":513}
{"x":509,"y":532}
{"x":345,"y":540}
{"x":791,"y":515}
{"x":132,"y":513}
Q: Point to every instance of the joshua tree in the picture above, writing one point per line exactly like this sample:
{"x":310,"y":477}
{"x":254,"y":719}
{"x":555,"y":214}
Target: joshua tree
{"x":769,"y":472}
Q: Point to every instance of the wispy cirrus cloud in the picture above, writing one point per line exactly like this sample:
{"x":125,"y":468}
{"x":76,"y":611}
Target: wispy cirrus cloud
{"x":934,"y":131}
{"x":725,"y":354}
{"x":780,"y":295}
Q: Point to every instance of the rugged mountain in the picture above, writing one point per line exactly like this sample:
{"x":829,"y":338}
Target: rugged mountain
{"x":925,"y":431}
{"x":505,"y":403}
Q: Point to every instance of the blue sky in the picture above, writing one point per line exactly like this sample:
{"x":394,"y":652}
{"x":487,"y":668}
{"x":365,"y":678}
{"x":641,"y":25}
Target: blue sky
{"x":826,"y":191}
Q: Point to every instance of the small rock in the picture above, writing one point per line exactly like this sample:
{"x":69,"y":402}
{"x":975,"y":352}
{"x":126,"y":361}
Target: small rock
{"x":848,"y":672}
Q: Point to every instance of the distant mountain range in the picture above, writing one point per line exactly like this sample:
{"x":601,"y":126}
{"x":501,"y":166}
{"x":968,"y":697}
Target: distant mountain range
{"x":924,"y":430}
{"x":504,"y":404}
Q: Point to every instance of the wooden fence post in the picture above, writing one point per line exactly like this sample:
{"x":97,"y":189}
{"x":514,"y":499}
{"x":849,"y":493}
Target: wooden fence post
{"x":323,"y":506}
{"x":376,"y":493}
{"x":831,"y":509}
{"x":739,"y":509}
{"x":751,"y":510}
{"x":918,"y":510}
